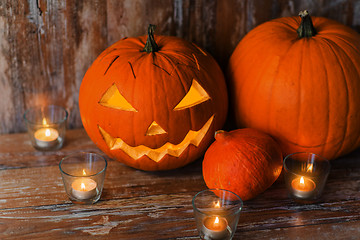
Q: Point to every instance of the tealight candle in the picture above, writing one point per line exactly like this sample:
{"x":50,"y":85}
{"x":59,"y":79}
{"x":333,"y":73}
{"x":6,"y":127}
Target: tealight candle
{"x":46,"y":127}
{"x":84,"y":188}
{"x":305,"y":176}
{"x":215,"y":227}
{"x":303,"y":187}
{"x":216,"y":213}
{"x":46,"y":137}
{"x":83,"y":175}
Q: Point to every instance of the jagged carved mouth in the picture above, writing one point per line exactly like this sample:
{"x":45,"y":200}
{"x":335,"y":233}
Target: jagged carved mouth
{"x":192,"y":137}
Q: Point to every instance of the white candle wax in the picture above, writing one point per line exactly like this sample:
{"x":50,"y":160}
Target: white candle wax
{"x":215,"y":228}
{"x":46,"y":137}
{"x":84,"y":188}
{"x":303,"y":187}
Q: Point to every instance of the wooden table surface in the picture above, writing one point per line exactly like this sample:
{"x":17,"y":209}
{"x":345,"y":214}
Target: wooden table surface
{"x":157,"y":205}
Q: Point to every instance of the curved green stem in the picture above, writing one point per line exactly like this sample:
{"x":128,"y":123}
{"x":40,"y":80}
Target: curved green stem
{"x":306,"y":28}
{"x":151,"y":45}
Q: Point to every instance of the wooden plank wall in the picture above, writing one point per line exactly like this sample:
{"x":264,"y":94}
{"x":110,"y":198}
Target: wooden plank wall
{"x":47,"y":45}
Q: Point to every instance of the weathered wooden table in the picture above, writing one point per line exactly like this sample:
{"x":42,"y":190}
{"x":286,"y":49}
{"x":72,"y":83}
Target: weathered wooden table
{"x":157,"y":205}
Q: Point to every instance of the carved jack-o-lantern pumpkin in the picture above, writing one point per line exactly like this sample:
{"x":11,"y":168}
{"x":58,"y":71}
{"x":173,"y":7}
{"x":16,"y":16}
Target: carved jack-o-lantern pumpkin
{"x":153,"y":105}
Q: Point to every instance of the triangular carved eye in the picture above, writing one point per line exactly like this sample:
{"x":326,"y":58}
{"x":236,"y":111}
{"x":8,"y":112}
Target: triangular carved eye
{"x":113,"y":99}
{"x":195,"y":96}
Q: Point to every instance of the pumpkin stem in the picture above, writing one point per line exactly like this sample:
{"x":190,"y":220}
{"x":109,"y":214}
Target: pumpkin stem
{"x":306,"y":28}
{"x":219,"y":134}
{"x":151,"y":45}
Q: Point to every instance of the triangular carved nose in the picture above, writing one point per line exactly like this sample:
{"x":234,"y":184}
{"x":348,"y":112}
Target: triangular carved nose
{"x":154,"y":129}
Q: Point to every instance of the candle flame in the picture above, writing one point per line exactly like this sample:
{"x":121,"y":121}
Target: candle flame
{"x":302,"y":182}
{"x":44,"y":121}
{"x":216,"y":220}
{"x":310,"y":167}
{"x":47,"y":132}
{"x":82,"y":187}
{"x":217,"y":204}
{"x":84,"y":173}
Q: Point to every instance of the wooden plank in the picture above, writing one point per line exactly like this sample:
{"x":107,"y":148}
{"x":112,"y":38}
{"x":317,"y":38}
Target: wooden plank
{"x":47,"y":46}
{"x":37,"y":186}
{"x":16,"y":150}
{"x":157,"y":205}
{"x":171,"y":215}
{"x":347,"y":230}
{"x":145,"y":217}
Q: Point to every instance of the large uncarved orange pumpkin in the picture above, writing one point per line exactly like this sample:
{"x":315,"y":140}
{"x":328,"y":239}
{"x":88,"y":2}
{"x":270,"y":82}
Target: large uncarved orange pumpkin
{"x":245,"y":161}
{"x":300,"y":86}
{"x":153,"y":103}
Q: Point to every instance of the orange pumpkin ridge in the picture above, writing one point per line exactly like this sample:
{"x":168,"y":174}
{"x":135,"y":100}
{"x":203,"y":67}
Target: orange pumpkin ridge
{"x":299,"y":81}
{"x":153,"y":102}
{"x":245,"y":161}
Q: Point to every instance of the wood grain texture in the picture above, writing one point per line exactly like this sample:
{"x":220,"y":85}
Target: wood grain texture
{"x":46,"y":46}
{"x":157,"y":205}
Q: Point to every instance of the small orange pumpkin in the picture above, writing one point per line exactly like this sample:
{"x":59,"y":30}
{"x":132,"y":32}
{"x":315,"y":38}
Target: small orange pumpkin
{"x":300,"y":83}
{"x":153,"y":103}
{"x":245,"y":161}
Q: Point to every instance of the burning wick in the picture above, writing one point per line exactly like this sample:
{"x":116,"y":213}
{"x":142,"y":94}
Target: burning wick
{"x":303,"y":187}
{"x":46,"y":137}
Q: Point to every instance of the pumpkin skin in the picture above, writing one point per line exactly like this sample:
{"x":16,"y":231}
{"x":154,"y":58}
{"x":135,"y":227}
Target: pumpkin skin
{"x":305,"y":92}
{"x":244,"y":161}
{"x":152,"y":84}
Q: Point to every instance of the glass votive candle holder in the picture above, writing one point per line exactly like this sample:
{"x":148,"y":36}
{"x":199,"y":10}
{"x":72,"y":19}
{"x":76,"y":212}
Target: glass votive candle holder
{"x":83,"y":175}
{"x":305,"y":175}
{"x":46,"y":126}
{"x":217,"y":213}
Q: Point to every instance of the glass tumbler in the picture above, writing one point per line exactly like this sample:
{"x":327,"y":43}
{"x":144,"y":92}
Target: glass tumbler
{"x":217,"y":213}
{"x":83,"y":176}
{"x":305,"y":175}
{"x":46,"y":127}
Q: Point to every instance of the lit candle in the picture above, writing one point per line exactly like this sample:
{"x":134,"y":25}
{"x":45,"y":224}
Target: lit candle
{"x":215,"y":227}
{"x":46,"y":137}
{"x":303,"y":187}
{"x":84,"y":188}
